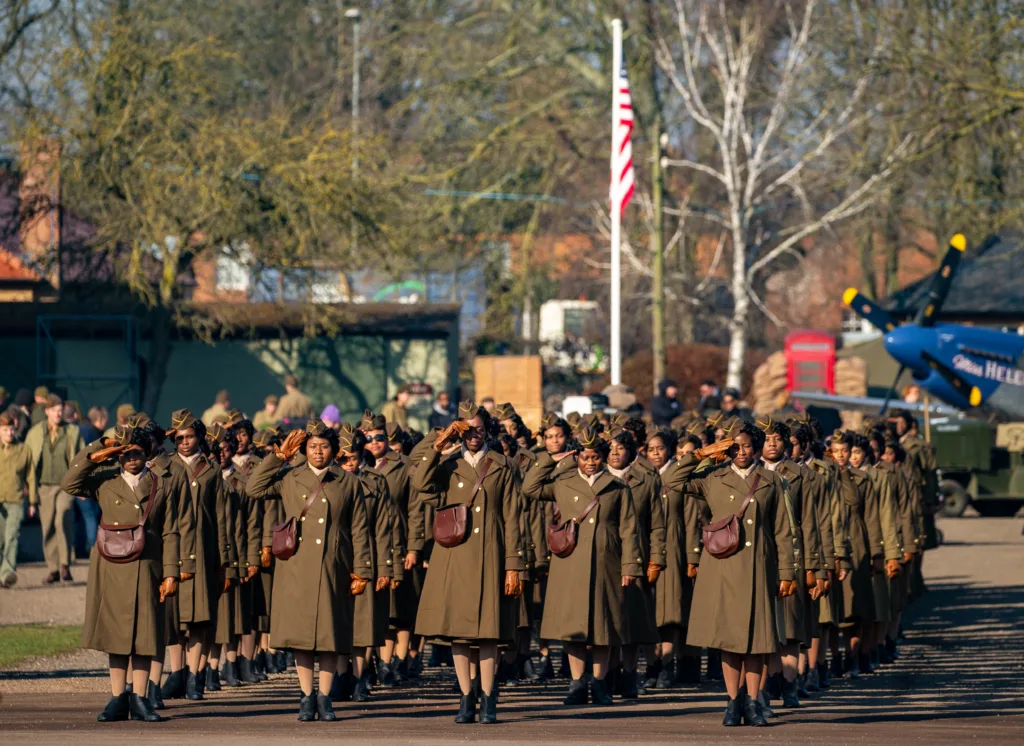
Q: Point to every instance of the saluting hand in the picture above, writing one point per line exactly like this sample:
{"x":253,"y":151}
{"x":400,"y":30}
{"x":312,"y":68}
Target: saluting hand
{"x":292,"y":443}
{"x":451,"y":433}
{"x":168,"y":588}
{"x":713,"y":449}
{"x":98,"y":457}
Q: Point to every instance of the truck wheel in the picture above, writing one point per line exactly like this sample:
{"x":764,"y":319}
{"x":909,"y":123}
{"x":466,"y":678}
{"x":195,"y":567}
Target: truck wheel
{"x":997,"y":508}
{"x":954,"y":499}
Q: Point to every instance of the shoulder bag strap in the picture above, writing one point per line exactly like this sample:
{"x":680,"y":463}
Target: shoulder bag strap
{"x":309,"y":503}
{"x":152,"y":498}
{"x":588,"y":509}
{"x":479,"y":481}
{"x":750,"y":496}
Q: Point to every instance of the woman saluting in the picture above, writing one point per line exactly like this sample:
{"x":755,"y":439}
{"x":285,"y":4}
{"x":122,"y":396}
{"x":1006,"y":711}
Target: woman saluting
{"x":585,"y":602}
{"x":468,"y":594}
{"x":122,"y":613}
{"x":734,"y":598}
{"x":312,"y":608}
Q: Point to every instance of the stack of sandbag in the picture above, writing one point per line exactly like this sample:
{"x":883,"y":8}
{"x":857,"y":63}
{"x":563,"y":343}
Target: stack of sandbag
{"x":851,"y":380}
{"x":769,"y":382}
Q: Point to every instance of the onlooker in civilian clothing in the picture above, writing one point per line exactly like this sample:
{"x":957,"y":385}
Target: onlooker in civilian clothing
{"x":294,"y":405}
{"x":53,"y":444}
{"x":15,"y":464}
{"x":94,"y":426}
{"x":731,"y":405}
{"x":72,"y":413}
{"x":219,"y":410}
{"x":266,"y":417}
{"x":394,"y":411}
{"x":664,"y":406}
{"x":39,"y":407}
{"x":709,"y":400}
{"x":443,"y":413}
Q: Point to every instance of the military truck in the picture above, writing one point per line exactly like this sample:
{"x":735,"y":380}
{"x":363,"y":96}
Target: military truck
{"x":980,"y":464}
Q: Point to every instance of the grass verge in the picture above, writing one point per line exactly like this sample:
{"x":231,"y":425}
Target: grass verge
{"x":21,"y":641}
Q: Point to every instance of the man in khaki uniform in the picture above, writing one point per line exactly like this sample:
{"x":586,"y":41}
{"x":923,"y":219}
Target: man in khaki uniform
{"x":53,"y":443}
{"x":394,"y":411}
{"x":219,"y":410}
{"x":39,"y":404}
{"x":266,"y":417}
{"x":124,"y":414}
{"x":294,"y":405}
{"x":15,"y":463}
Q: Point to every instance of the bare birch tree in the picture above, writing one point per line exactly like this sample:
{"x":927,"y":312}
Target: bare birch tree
{"x":776,"y":102}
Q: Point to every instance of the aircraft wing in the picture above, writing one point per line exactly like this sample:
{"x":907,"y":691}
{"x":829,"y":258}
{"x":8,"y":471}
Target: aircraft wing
{"x":868,"y":404}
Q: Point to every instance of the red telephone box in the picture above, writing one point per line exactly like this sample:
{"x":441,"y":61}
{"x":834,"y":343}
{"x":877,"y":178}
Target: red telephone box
{"x":811,"y":361}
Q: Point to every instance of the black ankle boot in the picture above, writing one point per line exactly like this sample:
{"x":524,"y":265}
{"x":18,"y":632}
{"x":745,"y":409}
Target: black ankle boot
{"x":230,"y":677}
{"x":140,"y":708}
{"x":489,"y":707}
{"x":628,"y":685}
{"x":415,"y":667}
{"x":244,"y":670}
{"x":666,"y":674}
{"x":773,"y":687}
{"x":342,"y":687}
{"x":789,"y":695}
{"x":270,"y":666}
{"x":325,"y":708}
{"x":386,"y":674}
{"x":213,"y":679}
{"x":752,"y":713}
{"x":801,"y":687}
{"x":823,"y":680}
{"x":192,"y":689}
{"x":467,"y":709}
{"x":201,"y":680}
{"x":307,"y":708}
{"x":733,"y":713}
{"x":547,"y":669}
{"x":766,"y":708}
{"x":174,"y":685}
{"x":853,"y":666}
{"x":599,"y":692}
{"x":837,"y":667}
{"x":259,"y":666}
{"x":361,"y":691}
{"x":651,"y":675}
{"x":116,"y":709}
{"x":153,"y":695}
{"x":891,"y":650}
{"x":577,"y":693}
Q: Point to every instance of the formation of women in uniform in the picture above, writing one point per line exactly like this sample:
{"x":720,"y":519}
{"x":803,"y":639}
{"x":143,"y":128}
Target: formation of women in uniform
{"x":766,"y":544}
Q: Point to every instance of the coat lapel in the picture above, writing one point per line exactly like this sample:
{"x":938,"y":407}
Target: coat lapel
{"x":126,"y":492}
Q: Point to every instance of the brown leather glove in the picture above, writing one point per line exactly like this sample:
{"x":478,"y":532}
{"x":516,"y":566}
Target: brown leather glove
{"x":691,"y":571}
{"x":227,"y":584}
{"x":394,"y":583}
{"x":291,"y":445}
{"x":450,"y":435}
{"x":265,"y":556}
{"x":251,"y":572}
{"x":809,"y":578}
{"x":98,"y":457}
{"x":168,"y":588}
{"x":513,"y":583}
{"x":358,"y":585}
{"x":186,"y":576}
{"x":713,"y":449}
{"x":381,"y":584}
{"x":892,"y":568}
{"x":653,"y":572}
{"x":787,"y":588}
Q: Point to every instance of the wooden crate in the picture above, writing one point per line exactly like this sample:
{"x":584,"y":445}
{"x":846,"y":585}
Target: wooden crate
{"x":511,"y":378}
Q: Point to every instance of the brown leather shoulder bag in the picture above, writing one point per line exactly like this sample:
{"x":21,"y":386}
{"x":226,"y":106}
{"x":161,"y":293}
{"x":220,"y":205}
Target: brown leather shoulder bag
{"x":722,"y":538}
{"x":562,"y":536}
{"x":124,"y":544}
{"x":284,"y":542}
{"x":451,"y":523}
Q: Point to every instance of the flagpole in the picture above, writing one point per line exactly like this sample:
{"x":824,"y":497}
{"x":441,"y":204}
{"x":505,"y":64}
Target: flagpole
{"x":616,"y":213}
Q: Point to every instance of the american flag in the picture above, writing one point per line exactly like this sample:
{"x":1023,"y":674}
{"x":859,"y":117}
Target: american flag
{"x":622,"y":147}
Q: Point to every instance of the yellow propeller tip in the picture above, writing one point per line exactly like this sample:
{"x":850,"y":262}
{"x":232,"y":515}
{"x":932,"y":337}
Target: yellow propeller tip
{"x":849,"y":295}
{"x":975,"y":397}
{"x":958,"y":242}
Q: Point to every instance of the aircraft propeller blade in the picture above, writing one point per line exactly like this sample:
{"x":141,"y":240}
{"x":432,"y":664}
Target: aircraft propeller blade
{"x":968,"y":392}
{"x":892,"y":391}
{"x":942,"y":282}
{"x":868,"y":310}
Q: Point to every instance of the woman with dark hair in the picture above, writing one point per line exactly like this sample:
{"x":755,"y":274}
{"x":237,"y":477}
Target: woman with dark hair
{"x":272,"y":660}
{"x":206,"y":545}
{"x":734,"y":597}
{"x":469,"y":593}
{"x":122,"y":613}
{"x":891,"y":457}
{"x":312,"y":613}
{"x":372,"y":608}
{"x":585,"y":603}
{"x":645,"y":487}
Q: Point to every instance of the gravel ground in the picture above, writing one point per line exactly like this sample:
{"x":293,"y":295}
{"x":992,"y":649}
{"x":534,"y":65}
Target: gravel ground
{"x":959,"y":678}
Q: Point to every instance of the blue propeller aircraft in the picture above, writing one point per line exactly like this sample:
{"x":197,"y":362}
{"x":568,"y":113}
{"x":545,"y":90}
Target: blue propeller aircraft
{"x":964,"y":366}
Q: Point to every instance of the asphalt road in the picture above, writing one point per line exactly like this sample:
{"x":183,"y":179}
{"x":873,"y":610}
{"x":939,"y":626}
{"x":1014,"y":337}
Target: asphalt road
{"x":959,"y":679}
